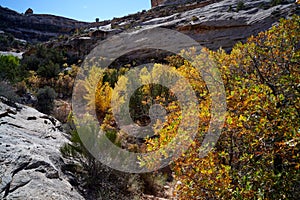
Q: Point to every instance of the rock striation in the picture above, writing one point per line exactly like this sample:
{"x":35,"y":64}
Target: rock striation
{"x":155,"y":3}
{"x":215,"y":23}
{"x":222,"y":24}
{"x":36,"y":27}
{"x":212,"y":23}
{"x":30,"y":160}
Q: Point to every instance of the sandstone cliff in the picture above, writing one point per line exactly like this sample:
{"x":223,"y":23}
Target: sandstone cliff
{"x":155,"y":3}
{"x":36,"y":27}
{"x":213,"y":23}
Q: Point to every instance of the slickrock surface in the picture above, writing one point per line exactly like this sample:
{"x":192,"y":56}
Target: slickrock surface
{"x":30,"y":160}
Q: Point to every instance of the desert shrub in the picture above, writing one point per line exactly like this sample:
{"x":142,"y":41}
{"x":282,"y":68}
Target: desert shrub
{"x":103,"y":182}
{"x":10,"y":68}
{"x":45,"y":61}
{"x":33,"y":81}
{"x":8,"y":42}
{"x":240,"y":6}
{"x":4,"y":43}
{"x":65,"y":81}
{"x":194,"y":18}
{"x":276,"y":2}
{"x":96,"y":91}
{"x":64,"y":85}
{"x":46,"y":97}
{"x":49,"y":67}
{"x":21,"y":88}
{"x":31,"y":63}
{"x":49,"y":70}
{"x":98,"y":180}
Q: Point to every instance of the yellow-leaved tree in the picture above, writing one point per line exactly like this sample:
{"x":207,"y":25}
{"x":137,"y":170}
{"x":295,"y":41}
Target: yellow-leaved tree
{"x":258,"y":153}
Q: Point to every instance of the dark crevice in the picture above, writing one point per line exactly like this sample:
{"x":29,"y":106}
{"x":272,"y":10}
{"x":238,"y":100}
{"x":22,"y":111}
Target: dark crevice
{"x":21,"y":185}
{"x":31,"y":118}
{"x":17,"y":126}
{"x":37,"y":164}
{"x":5,"y":114}
{"x":22,"y":166}
{"x":10,"y":103}
{"x":51,"y":119}
{"x":6,"y":190}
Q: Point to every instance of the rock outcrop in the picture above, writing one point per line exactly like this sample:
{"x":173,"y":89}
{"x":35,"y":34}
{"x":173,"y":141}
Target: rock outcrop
{"x":212,"y":23}
{"x":222,"y":24}
{"x":30,"y":160}
{"x":36,"y":27}
{"x":215,"y":23}
{"x":155,"y":3}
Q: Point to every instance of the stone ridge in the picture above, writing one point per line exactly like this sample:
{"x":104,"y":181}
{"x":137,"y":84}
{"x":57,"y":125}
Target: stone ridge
{"x":155,"y":3}
{"x":213,"y":24}
{"x":36,"y":27}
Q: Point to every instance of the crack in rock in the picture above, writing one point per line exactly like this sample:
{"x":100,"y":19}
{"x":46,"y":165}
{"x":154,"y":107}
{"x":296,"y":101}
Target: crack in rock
{"x":30,"y":160}
{"x":20,"y":168}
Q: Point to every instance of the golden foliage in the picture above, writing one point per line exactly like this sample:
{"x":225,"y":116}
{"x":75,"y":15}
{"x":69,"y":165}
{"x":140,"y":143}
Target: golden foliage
{"x":257,"y":155}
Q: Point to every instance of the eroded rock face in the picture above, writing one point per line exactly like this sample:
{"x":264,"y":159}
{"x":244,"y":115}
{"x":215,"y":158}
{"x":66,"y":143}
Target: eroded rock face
{"x":212,"y":23}
{"x":216,"y":24}
{"x":36,"y":27}
{"x":30,"y":159}
{"x":155,"y":3}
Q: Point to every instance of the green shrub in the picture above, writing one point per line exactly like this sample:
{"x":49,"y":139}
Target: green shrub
{"x":46,"y":62}
{"x":102,"y":181}
{"x":31,"y":63}
{"x":49,"y":70}
{"x":10,"y":68}
{"x":45,"y":97}
{"x":276,"y":2}
{"x":4,"y":42}
{"x":194,"y":18}
{"x":240,"y":6}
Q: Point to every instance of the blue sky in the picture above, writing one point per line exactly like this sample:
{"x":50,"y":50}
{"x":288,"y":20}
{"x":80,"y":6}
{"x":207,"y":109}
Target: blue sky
{"x":84,"y":10}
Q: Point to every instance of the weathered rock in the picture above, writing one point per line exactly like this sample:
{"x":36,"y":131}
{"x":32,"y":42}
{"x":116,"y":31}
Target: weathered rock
{"x":155,"y":3}
{"x":30,"y":159}
{"x":212,"y":23}
{"x":36,"y":27}
{"x":221,"y":24}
